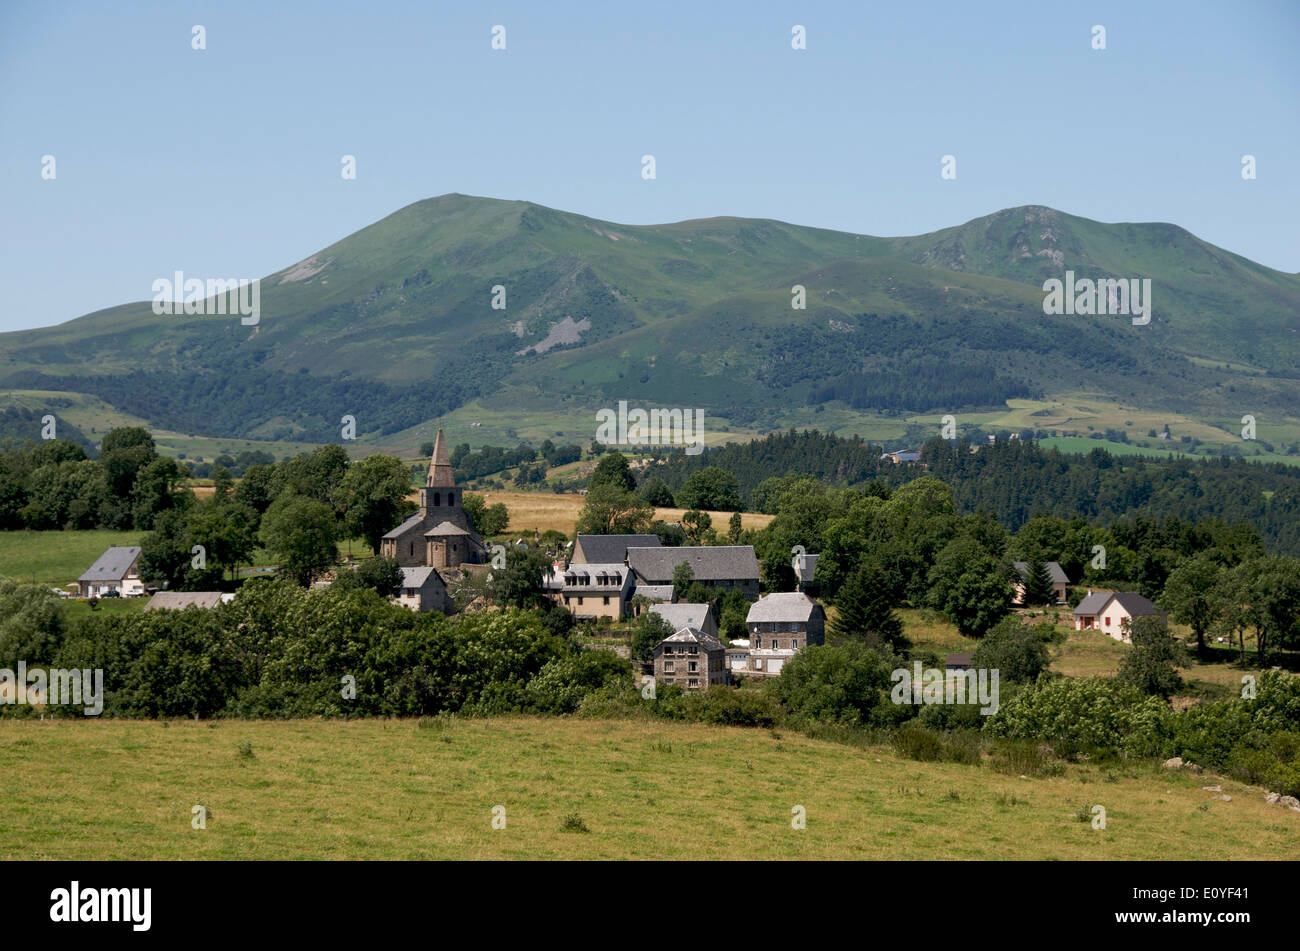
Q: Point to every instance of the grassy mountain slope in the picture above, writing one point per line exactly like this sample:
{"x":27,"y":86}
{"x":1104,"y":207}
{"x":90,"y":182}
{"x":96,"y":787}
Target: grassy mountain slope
{"x":395,"y":325}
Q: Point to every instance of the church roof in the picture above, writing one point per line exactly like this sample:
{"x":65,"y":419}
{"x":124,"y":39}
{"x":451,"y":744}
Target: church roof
{"x":447,"y":528}
{"x":405,"y":527}
{"x":440,"y":466}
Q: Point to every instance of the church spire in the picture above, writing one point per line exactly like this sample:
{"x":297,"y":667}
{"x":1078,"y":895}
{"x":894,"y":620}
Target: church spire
{"x":440,"y":466}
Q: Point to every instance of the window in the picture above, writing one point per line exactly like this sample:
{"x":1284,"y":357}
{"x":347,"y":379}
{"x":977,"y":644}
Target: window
{"x":693,"y":666}
{"x":607,"y":599}
{"x":437,"y":498}
{"x":692,"y":682}
{"x":451,"y":498}
{"x":580,"y":600}
{"x":774,"y":643}
{"x":668,"y":667}
{"x":1108,"y":620}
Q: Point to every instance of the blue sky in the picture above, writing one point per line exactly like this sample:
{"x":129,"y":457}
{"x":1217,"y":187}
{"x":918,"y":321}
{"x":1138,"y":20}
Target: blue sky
{"x":226,"y":161}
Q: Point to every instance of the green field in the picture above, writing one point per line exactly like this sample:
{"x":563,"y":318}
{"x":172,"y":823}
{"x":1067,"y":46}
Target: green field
{"x":56,"y":557}
{"x":642,"y":790}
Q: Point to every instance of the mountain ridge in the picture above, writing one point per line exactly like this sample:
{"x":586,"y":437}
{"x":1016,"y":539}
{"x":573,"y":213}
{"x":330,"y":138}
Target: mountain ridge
{"x":400,"y":312}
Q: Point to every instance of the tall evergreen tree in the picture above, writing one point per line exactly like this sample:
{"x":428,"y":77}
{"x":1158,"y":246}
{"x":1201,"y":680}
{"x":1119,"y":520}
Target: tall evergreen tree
{"x":1038,"y":582}
{"x":864,"y":610}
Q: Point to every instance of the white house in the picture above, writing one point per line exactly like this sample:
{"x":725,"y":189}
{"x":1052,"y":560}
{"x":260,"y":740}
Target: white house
{"x":1111,"y":612}
{"x":115,"y":570}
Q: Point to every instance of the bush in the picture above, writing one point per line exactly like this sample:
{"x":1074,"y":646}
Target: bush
{"x":1083,"y":713}
{"x":732,"y":706}
{"x":1017,"y":652}
{"x":921,"y":743}
{"x":564,"y":682}
{"x":835,"y":684}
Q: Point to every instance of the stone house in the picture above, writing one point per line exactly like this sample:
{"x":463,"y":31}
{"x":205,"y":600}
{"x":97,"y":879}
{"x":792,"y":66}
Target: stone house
{"x":682,"y":615}
{"x":692,"y":659}
{"x":423,"y":590}
{"x":779,"y":625}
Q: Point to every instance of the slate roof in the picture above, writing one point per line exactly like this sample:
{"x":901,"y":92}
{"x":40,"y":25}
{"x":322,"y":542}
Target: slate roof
{"x":711,"y":563}
{"x":593,"y":572}
{"x":1053,"y":568}
{"x":1135,"y":604}
{"x":113,"y":565}
{"x":605,"y":549}
{"x":683,"y":615}
{"x":446,"y":528}
{"x":180,"y":600}
{"x":662,"y":592}
{"x":417,"y":577}
{"x":957,"y":660}
{"x":1093,"y":603}
{"x":783,"y":606}
{"x":405,"y":527}
{"x":688,"y":635}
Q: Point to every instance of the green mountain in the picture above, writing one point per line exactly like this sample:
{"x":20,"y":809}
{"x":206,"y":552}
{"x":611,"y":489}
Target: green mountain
{"x":395,"y":326}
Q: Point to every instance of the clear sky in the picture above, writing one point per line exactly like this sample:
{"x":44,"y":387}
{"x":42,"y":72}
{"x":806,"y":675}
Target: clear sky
{"x":225,"y":162}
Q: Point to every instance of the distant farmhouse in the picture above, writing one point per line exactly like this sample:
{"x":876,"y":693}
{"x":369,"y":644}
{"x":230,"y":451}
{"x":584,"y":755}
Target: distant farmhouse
{"x":1112,"y":612}
{"x":115,"y":570}
{"x":692,"y":659}
{"x":1059,"y":581}
{"x":439,"y":534}
{"x":423,"y":590}
{"x":779,"y":625}
{"x":732,"y":567}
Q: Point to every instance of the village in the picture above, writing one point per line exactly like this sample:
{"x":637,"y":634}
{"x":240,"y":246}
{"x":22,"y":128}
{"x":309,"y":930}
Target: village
{"x":612,"y":578}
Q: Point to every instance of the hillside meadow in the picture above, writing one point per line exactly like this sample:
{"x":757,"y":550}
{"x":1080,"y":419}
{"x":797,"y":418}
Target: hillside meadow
{"x":540,"y":511}
{"x":579,"y":789}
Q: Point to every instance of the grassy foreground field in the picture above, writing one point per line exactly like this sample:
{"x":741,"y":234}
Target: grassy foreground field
{"x":426,"y":790}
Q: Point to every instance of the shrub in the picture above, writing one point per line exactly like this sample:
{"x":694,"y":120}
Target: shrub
{"x":1083,"y":713}
{"x":731,"y":706}
{"x":562,"y":684}
{"x":836,"y":684}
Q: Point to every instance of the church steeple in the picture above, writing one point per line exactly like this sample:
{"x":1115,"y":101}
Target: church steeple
{"x":440,"y":466}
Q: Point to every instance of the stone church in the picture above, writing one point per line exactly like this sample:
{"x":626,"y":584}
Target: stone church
{"x":439,"y":534}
